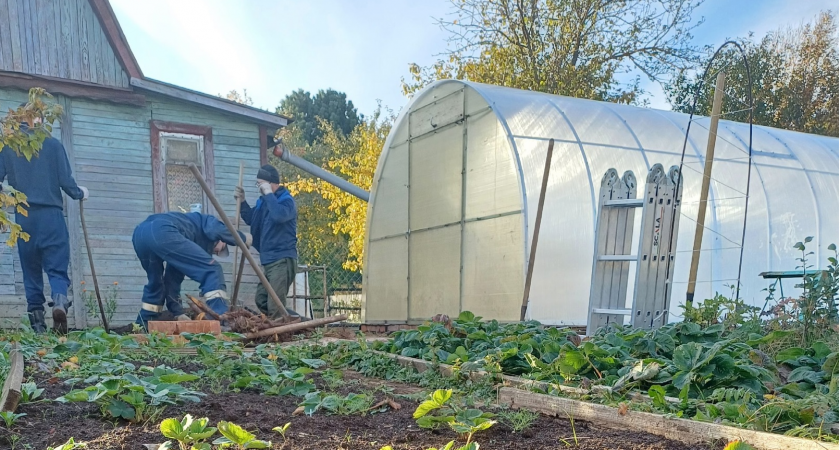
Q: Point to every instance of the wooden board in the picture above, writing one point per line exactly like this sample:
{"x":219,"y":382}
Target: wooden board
{"x":185,"y":326}
{"x":11,"y":388}
{"x":684,"y":430}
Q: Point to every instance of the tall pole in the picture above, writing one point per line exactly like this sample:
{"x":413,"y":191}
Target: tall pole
{"x":236,"y":249}
{"x":704,"y":189}
{"x":92,"y":269}
{"x":536,"y":237}
{"x":238,"y":239}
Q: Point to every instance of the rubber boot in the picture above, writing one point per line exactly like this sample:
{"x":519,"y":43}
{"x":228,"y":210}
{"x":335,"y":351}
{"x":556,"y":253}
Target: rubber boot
{"x":60,"y":304}
{"x":36,"y":321}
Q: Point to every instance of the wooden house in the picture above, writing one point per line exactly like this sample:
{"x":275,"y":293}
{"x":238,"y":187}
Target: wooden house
{"x":129,"y":140}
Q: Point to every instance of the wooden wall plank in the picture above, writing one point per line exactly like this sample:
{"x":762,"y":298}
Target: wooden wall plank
{"x":93,"y":47}
{"x":39,"y":33}
{"x":25,"y":34}
{"x":73,"y":51}
{"x":106,"y":58}
{"x":67,"y":39}
{"x":6,"y":62}
{"x":82,"y":31}
{"x":73,"y":221}
{"x":47,"y":9}
{"x":14,"y":33}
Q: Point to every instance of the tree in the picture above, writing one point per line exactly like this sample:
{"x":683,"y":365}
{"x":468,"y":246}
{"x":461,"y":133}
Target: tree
{"x":235,"y":96}
{"x":25,"y":142}
{"x":329,"y":105}
{"x":355,"y":157}
{"x":794,"y":80}
{"x":568,"y":47}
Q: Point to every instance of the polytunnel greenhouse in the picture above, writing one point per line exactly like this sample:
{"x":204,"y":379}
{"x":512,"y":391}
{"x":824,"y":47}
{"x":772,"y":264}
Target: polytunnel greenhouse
{"x":454,"y":199}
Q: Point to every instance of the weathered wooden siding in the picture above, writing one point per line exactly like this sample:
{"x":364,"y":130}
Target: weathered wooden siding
{"x":12,"y":297}
{"x":57,"y":38}
{"x":111,"y":153}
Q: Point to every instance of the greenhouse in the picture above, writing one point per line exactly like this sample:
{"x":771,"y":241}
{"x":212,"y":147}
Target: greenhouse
{"x":454,"y":200}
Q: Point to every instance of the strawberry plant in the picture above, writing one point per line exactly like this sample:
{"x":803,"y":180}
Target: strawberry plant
{"x":235,"y":436}
{"x":190,"y":433}
{"x":438,"y":410}
{"x":269,"y":379}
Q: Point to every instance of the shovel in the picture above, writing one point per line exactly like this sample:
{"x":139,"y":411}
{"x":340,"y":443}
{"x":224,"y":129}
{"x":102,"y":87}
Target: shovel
{"x":92,"y":269}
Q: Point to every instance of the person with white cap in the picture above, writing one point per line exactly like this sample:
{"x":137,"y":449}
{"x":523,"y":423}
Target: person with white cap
{"x":173,"y":245}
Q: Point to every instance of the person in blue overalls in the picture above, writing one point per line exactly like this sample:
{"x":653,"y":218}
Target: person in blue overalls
{"x":48,"y":250}
{"x":173,"y":245}
{"x":273,"y":220}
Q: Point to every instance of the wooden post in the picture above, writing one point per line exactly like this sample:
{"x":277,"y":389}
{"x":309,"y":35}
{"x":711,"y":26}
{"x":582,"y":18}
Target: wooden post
{"x":212,"y":197}
{"x":536,"y":231}
{"x":236,"y":249}
{"x":704,"y":189}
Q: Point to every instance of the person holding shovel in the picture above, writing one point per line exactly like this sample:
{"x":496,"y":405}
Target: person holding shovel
{"x":42,"y":179}
{"x":273,"y":221}
{"x":173,"y":245}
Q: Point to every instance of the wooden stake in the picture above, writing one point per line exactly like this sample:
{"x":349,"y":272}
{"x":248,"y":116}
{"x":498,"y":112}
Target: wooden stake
{"x":536,"y":232}
{"x":295,"y":327}
{"x":224,"y":218}
{"x":11,"y":387}
{"x":704,"y":189}
{"x":200,"y":305}
{"x":92,"y":269}
{"x":236,"y":249}
{"x":238,"y":277}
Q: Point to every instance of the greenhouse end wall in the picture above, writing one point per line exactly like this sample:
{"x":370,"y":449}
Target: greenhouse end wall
{"x":455,"y":195}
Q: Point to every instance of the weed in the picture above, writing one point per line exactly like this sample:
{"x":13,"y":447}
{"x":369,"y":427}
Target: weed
{"x":71,"y":444}
{"x":282,"y":430}
{"x":109,"y":303}
{"x":518,"y":420}
{"x":29,"y":392}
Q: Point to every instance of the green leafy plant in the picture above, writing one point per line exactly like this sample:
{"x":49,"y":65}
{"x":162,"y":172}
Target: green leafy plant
{"x":137,"y":399}
{"x":71,"y":444}
{"x":269,"y":379}
{"x":235,"y":436}
{"x":738,"y":445}
{"x":335,"y":404}
{"x":29,"y":392}
{"x":10,"y":418}
{"x":462,"y":421}
{"x":109,"y":303}
{"x":190,"y":433}
{"x":282,"y":430}
{"x":518,"y":420}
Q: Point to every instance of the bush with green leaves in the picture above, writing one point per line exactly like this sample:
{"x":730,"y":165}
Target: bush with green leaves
{"x":137,"y":399}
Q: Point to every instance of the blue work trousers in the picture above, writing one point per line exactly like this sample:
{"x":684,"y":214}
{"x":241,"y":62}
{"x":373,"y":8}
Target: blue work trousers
{"x":167,"y":256}
{"x":48,"y":250}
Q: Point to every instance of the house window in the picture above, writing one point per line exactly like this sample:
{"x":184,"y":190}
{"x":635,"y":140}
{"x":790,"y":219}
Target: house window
{"x":174,"y":148}
{"x":178,"y":151}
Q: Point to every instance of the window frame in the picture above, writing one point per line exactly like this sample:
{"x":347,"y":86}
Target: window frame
{"x":159,"y":190}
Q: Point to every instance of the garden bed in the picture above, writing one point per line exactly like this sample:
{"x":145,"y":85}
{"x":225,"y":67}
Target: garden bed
{"x":50,"y":424}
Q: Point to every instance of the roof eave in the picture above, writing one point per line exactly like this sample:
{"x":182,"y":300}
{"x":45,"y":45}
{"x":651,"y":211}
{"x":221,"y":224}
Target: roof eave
{"x":211,"y":101}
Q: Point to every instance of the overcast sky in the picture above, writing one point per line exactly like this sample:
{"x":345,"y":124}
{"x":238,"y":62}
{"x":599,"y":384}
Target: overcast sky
{"x":361,"y":47}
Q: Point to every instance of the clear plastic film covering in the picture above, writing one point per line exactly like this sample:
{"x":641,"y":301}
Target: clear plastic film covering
{"x":454,"y":202}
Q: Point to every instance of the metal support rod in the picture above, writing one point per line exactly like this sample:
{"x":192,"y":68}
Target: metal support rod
{"x":212,"y":197}
{"x":281,"y":152}
{"x":92,"y":269}
{"x":704,"y":189}
{"x":236,"y":249}
{"x":326,"y":297}
{"x":536,"y":237}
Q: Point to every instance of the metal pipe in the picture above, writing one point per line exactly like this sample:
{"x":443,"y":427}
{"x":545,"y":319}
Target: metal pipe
{"x":281,"y":152}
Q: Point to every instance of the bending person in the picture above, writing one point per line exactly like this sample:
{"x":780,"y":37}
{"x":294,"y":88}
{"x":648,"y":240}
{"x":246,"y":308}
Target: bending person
{"x":173,"y":245}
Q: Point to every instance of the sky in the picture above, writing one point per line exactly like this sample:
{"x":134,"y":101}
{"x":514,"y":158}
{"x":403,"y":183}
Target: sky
{"x":361,"y":47}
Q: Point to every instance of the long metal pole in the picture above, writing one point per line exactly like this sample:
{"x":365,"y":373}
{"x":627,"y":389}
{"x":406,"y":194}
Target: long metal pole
{"x":236,"y":249}
{"x":238,"y":239}
{"x":306,"y":166}
{"x":704,"y":189}
{"x":92,"y":269}
{"x":536,"y":237}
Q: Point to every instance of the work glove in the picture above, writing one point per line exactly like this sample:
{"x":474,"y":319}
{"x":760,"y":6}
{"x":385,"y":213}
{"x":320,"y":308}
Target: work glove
{"x":248,"y":239}
{"x":239,"y":194}
{"x":85,"y":192}
{"x":265,"y":187}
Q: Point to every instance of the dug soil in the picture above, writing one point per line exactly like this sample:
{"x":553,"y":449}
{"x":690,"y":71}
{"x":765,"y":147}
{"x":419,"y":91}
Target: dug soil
{"x":50,"y":424}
